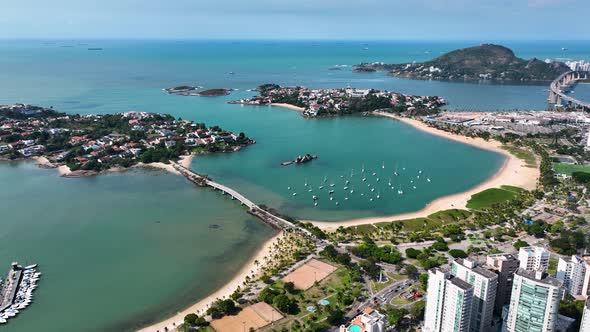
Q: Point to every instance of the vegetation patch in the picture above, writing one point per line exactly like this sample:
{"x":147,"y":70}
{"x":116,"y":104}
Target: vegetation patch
{"x":489,"y":197}
{"x":523,"y":154}
{"x":568,"y":169}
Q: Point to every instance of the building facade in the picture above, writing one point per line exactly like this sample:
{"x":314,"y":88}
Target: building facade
{"x":485,"y":286}
{"x":534,"y":303}
{"x":448,"y":303}
{"x":585,"y":325}
{"x":571,"y":272}
{"x":505,"y":265}
{"x":533,"y":258}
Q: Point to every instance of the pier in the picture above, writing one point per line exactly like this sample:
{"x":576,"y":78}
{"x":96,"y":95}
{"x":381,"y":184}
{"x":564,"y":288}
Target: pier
{"x":10,"y":287}
{"x":267,"y":217}
{"x":557,"y":94}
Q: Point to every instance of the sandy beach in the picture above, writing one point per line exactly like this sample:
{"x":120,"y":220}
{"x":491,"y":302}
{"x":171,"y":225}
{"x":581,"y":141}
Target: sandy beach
{"x":289,"y":106}
{"x":224,"y":291}
{"x":513,"y":172}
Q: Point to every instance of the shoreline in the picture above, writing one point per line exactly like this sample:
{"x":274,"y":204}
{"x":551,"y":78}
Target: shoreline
{"x":289,"y":106}
{"x":224,"y":291}
{"x":513,"y":172}
{"x":64,"y":171}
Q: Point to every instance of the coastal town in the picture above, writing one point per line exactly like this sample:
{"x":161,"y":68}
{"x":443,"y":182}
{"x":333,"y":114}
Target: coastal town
{"x":88,"y":144}
{"x":335,"y":102}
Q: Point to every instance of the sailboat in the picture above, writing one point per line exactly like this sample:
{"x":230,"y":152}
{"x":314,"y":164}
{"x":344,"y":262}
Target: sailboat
{"x":363,"y":169}
{"x":378,"y":195}
{"x":428,"y":179}
{"x":305,"y":183}
{"x":383,"y":165}
{"x":389,"y":183}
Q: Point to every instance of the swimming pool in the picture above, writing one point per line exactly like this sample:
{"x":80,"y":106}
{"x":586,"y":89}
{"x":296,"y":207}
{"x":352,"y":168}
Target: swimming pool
{"x":354,"y":328}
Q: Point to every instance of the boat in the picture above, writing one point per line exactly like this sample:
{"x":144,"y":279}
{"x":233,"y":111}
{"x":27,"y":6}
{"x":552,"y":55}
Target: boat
{"x":315,"y":197}
{"x":419,"y":172}
{"x":372,"y":189}
{"x":428,"y":179}
{"x":30,"y":267}
{"x":294,"y":194}
{"x":345,"y":188}
{"x":288,"y":188}
{"x":364,"y":179}
{"x":321,"y":187}
{"x":414,"y":187}
{"x":395,"y":173}
{"x":331,"y":185}
{"x":374,"y":174}
{"x":378,"y":179}
{"x":337,"y":203}
{"x":345,"y":198}
{"x":331,"y":192}
{"x":306,"y":158}
{"x":331,"y":198}
{"x":315,"y":204}
{"x":383,"y":165}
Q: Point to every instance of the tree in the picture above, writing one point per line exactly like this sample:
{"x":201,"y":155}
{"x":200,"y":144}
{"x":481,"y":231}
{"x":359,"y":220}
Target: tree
{"x":411,"y":271}
{"x":457,"y":253}
{"x":267,"y":295}
{"x":190,"y":319}
{"x":289,"y":287}
{"x":335,"y":316}
{"x":285,"y":304}
{"x":417,"y":310}
{"x":423,"y":279}
{"x":396,"y":315}
{"x":520,"y":244}
{"x":412,"y":253}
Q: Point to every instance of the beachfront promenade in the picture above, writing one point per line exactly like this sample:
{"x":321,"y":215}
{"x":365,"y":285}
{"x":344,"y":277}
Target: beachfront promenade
{"x":557,"y":94}
{"x":269,"y":218}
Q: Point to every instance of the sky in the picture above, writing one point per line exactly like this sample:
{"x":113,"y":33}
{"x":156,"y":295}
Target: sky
{"x":297,"y":19}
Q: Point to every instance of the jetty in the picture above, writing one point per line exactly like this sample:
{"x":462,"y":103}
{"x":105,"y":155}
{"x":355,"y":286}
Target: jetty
{"x":269,"y":218}
{"x":16,"y":291}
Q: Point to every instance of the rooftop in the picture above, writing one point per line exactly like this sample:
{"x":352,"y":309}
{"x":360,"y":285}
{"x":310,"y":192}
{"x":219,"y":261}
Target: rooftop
{"x":539,"y":277}
{"x":461,"y":284}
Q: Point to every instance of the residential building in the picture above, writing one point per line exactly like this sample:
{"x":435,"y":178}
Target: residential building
{"x":369,"y":321}
{"x":505,"y":265}
{"x":435,"y":295}
{"x":485,"y":285}
{"x":571,"y":272}
{"x":533,"y":258}
{"x":586,"y":282}
{"x":585,"y":325}
{"x":448,"y":303}
{"x":534,"y":303}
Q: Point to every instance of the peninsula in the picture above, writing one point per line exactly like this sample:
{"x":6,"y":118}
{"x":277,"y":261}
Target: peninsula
{"x":483,"y":62}
{"x":188,"y":90}
{"x":88,"y":144}
{"x":337,"y":102}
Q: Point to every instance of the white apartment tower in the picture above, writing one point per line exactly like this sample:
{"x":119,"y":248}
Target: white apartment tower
{"x":533,"y":258}
{"x":585,"y":325}
{"x":572,"y":273}
{"x":448,"y":303}
{"x":534,"y":303}
{"x":485,"y":285}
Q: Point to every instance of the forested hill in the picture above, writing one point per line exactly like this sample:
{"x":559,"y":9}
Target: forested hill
{"x":483,"y":62}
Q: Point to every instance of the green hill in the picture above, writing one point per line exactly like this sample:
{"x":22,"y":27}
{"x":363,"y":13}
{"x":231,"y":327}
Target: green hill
{"x":483,"y":62}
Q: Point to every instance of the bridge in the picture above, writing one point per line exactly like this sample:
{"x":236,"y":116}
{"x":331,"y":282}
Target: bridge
{"x":267,"y":217}
{"x":557,"y":95}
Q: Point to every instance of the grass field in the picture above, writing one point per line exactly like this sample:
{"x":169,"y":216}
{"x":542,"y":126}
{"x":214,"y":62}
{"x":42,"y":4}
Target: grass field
{"x":569,"y":169}
{"x":449,"y":215}
{"x":489,"y":197}
{"x":523,"y":154}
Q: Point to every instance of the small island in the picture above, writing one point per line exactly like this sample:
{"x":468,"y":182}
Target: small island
{"x":483,"y":62}
{"x":337,"y":102}
{"x":89,"y":144}
{"x":182,"y":89}
{"x":188,"y":90}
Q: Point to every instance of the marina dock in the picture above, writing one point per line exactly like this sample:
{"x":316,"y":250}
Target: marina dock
{"x":16,"y":291}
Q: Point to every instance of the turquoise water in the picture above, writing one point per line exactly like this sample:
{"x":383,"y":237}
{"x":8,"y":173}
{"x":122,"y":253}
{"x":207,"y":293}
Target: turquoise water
{"x":117,"y":250}
{"x":355,"y":328}
{"x":125,"y":249}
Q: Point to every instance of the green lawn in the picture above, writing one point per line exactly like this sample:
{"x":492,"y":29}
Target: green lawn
{"x":568,"y":169}
{"x":363,"y":229}
{"x":410,"y":225}
{"x":514,"y":189}
{"x":490,"y":197}
{"x":552,"y":268}
{"x":527,"y":156}
{"x":450,"y":215}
